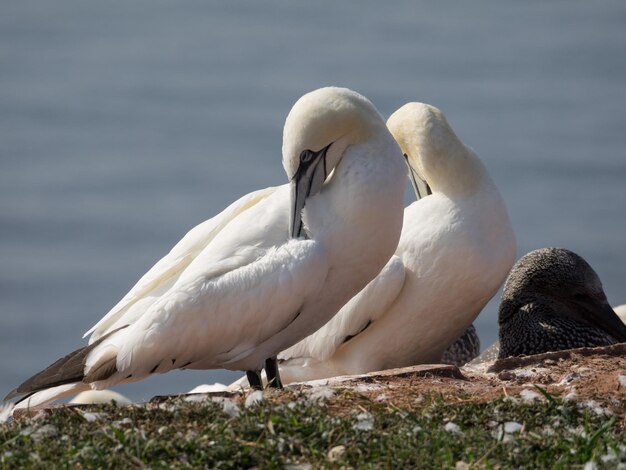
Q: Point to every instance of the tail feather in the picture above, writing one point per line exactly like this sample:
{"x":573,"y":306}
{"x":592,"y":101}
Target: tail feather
{"x":41,"y":398}
{"x":67,"y":370}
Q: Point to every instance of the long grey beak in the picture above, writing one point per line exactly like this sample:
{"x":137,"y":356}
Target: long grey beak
{"x":307,"y":182}
{"x":419,"y":185}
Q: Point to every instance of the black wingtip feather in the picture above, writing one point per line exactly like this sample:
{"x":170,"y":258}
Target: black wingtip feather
{"x":68,"y":369}
{"x":12,"y":394}
{"x":25,"y":397}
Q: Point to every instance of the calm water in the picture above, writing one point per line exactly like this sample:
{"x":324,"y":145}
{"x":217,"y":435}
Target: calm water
{"x":123,"y":124}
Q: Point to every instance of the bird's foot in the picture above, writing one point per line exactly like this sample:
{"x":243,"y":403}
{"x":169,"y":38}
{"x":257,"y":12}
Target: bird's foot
{"x":273,"y":376}
{"x":254,"y":379}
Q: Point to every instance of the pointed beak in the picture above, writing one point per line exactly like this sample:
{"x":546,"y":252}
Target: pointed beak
{"x":419,"y":185}
{"x":602,"y":316}
{"x":307,"y":182}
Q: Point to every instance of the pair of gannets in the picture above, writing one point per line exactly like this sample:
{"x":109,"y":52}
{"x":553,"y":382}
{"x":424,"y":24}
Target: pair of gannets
{"x":269,"y":270}
{"x":456,"y":248}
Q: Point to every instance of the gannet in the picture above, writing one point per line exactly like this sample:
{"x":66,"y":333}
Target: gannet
{"x":99,"y":397}
{"x":620,"y":310}
{"x":456,"y":248}
{"x":554,"y":300}
{"x":269,"y":270}
{"x":465,"y":348}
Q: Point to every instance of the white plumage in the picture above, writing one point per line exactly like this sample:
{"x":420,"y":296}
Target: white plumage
{"x":456,"y":248}
{"x":236,"y":289}
{"x":100,"y":397}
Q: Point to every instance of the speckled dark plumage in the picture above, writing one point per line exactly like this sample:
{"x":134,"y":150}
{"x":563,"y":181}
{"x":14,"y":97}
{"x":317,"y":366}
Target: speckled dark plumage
{"x":464,"y":349}
{"x":554,"y":300}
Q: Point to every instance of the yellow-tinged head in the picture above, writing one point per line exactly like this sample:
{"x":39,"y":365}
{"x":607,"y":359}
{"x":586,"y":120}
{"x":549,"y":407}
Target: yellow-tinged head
{"x":318,"y":130}
{"x":331,"y":116}
{"x":433,"y":150}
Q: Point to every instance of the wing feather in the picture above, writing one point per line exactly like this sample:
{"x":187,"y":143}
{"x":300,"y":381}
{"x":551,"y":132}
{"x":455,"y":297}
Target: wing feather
{"x":210,"y":322}
{"x":363,"y":309}
{"x":166,"y":271}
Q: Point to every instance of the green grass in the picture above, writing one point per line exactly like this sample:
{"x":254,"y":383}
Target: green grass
{"x":289,"y":429}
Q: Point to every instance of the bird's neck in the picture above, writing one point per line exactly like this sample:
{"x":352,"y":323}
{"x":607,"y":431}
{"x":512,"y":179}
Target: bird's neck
{"x":358,"y":214}
{"x":458,"y":173}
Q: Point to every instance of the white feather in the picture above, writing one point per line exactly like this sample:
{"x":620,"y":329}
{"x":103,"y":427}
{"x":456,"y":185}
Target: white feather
{"x":456,"y":248}
{"x":40,"y":399}
{"x":365,"y":307}
{"x":167,"y":270}
{"x":91,"y":397}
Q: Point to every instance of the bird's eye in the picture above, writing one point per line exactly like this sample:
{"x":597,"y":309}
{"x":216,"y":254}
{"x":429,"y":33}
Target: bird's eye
{"x":306,"y":156}
{"x":580,"y":296}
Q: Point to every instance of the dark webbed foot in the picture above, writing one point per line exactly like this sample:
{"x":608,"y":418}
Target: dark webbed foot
{"x":273,"y":377}
{"x":254,"y":379}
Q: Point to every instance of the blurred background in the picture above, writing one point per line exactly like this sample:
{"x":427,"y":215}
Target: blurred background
{"x":124,"y":124}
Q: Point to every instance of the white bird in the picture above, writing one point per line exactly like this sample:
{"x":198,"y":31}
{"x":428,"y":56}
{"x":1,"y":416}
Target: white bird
{"x":236,"y":290}
{"x":456,"y":248}
{"x":100,"y":397}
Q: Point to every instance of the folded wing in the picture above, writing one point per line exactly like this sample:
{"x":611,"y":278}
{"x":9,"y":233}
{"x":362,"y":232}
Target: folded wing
{"x":211,"y":322}
{"x":166,"y":271}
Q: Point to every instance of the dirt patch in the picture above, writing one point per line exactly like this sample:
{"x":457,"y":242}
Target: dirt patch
{"x":593,"y":377}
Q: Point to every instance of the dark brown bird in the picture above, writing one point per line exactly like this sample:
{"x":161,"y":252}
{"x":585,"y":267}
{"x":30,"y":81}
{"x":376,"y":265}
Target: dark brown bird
{"x":554,"y":300}
{"x":464,"y":349}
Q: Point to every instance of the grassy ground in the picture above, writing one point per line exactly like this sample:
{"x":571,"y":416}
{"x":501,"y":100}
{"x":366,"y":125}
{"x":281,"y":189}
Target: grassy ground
{"x":293,"y":429}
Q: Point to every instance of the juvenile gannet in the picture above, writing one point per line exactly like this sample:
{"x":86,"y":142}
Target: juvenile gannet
{"x":554,"y":300}
{"x":271,"y":269}
{"x":465,"y":348}
{"x":620,"y":310}
{"x":456,"y":248}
